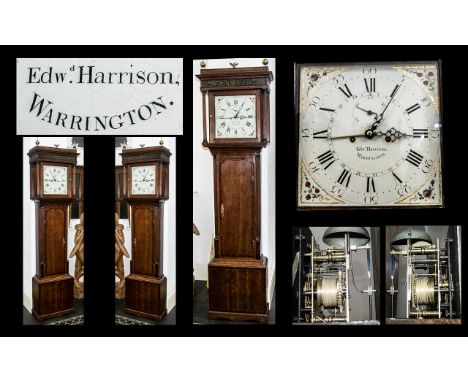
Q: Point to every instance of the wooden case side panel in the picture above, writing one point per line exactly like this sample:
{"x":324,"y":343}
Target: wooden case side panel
{"x":266,"y":117}
{"x":238,"y":290}
{"x":164,"y":180}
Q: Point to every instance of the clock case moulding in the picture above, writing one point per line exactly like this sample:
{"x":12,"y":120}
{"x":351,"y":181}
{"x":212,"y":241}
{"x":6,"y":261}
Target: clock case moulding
{"x":297,"y":70}
{"x":52,"y":285}
{"x":146,"y":285}
{"x":237,"y":274}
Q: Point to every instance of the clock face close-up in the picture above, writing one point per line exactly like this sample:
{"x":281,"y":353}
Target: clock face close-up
{"x":55,"y":180}
{"x":144,"y":180}
{"x":369,"y":135}
{"x":235,"y":116}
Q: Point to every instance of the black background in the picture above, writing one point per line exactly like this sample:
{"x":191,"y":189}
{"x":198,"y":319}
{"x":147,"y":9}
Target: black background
{"x":99,"y":191}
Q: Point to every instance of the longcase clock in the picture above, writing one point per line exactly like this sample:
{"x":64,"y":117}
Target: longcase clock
{"x":238,"y":128}
{"x":146,"y":179}
{"x":52,"y":174}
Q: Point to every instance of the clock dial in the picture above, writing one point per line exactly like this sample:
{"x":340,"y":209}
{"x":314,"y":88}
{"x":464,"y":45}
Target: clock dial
{"x":235,"y":116}
{"x":144,"y":180}
{"x":55,"y":180}
{"x":369,"y":136}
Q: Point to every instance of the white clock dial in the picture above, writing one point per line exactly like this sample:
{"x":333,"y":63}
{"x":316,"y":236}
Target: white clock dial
{"x":235,"y":116}
{"x":369,"y":136}
{"x":55,"y":180}
{"x":144,"y":180}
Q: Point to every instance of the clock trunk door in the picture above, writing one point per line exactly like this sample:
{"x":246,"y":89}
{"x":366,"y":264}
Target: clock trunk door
{"x":237,"y":207}
{"x":146,"y":245}
{"x":53,"y":246}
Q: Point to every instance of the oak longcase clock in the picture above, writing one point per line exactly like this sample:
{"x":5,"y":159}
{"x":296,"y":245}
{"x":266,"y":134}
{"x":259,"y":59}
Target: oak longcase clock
{"x":235,"y":131}
{"x":52,"y":177}
{"x":369,"y":135}
{"x":146,"y":188}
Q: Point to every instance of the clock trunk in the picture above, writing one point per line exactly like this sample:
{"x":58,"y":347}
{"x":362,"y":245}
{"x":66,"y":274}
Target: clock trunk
{"x":52,"y":225}
{"x":147,"y":224}
{"x":237,"y":207}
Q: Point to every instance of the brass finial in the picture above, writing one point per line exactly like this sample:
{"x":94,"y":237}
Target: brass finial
{"x":234,"y":64}
{"x":56,"y":145}
{"x":202,"y":64}
{"x":161,"y":142}
{"x":37,"y":141}
{"x":265,"y":61}
{"x":142,"y":145}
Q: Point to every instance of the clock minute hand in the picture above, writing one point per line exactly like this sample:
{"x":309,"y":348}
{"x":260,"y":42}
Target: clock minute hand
{"x":235,"y":116}
{"x":348,"y":136}
{"x":379,"y":121}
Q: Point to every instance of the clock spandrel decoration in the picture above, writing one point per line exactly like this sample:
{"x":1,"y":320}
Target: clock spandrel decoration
{"x":52,"y":174}
{"x":236,"y":118}
{"x":146,"y":180}
{"x":369,"y":135}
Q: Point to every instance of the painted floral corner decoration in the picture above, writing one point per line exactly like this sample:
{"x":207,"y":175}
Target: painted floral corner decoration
{"x":427,"y":77}
{"x":310,"y":192}
{"x":314,"y":76}
{"x":430,"y":192}
{"x":427,"y":193}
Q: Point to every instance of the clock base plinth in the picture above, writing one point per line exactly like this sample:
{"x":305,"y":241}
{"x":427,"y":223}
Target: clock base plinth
{"x":238,"y":289}
{"x":52,"y":296}
{"x":145,"y":296}
{"x":262,"y":318}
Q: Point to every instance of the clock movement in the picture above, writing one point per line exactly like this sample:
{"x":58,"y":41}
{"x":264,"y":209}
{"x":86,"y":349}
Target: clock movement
{"x":424,"y":275}
{"x":52,"y":177}
{"x":146,"y":188}
{"x":235,"y":130}
{"x":369,"y":135}
{"x":335,"y":275}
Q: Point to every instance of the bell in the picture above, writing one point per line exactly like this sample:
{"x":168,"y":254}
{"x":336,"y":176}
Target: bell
{"x":335,"y":236}
{"x":418,"y":238}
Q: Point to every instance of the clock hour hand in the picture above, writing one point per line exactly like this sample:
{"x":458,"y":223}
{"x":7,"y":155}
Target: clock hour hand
{"x":369,"y":112}
{"x":392,"y":135}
